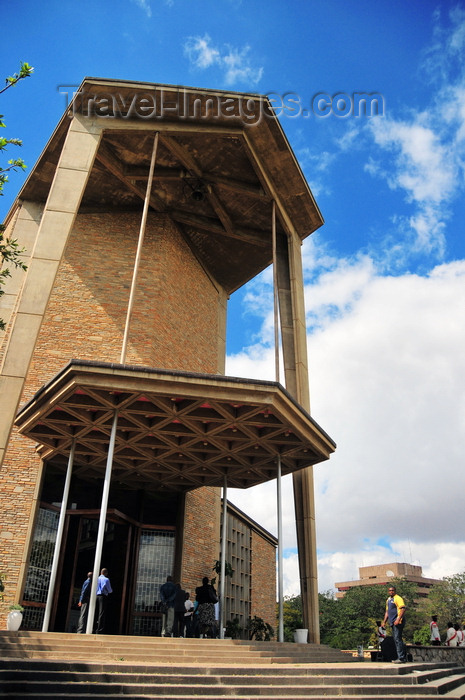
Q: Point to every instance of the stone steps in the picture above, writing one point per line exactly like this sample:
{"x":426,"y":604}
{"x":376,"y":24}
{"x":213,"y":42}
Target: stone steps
{"x":177,"y":669}
{"x":181,"y":687}
{"x":68,"y":646}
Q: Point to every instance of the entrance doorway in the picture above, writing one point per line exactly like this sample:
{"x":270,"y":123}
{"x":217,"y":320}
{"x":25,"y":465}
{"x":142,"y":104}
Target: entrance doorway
{"x":78,"y":560}
{"x":138,"y":558}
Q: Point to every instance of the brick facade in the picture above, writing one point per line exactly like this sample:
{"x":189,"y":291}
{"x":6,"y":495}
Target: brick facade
{"x":263,"y":577}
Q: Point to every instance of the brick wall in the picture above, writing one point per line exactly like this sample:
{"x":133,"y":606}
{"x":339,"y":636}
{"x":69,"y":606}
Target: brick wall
{"x":263,"y":595}
{"x":201,"y":545}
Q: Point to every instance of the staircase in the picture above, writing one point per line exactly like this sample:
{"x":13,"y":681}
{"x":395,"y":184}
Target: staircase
{"x":91,"y":667}
{"x":65,"y":646}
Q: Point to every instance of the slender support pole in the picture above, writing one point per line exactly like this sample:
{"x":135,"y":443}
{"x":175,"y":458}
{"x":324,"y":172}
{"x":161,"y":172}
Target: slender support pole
{"x":275,"y":292}
{"x":139,"y":249}
{"x":224,"y":544}
{"x":278,"y":480}
{"x":101,"y":525}
{"x":280,"y":557}
{"x":56,"y":553}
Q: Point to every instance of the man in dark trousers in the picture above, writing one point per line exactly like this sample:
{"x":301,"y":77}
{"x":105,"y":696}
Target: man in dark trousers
{"x":179,"y":611}
{"x":84,"y":603}
{"x":395,"y":610}
{"x":167,"y":595}
{"x":103,"y":591}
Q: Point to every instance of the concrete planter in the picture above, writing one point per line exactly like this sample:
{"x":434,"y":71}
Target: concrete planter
{"x":14,"y":620}
{"x":301,"y":636}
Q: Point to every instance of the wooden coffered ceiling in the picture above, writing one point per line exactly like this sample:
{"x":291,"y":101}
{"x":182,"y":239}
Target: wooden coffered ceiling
{"x":175,"y":430}
{"x":233,"y":155}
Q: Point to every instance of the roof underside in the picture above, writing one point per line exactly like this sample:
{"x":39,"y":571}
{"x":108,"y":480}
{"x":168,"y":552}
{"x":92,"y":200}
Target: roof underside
{"x":222,"y":159}
{"x":175,"y":430}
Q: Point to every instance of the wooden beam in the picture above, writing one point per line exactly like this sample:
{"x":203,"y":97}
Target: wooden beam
{"x":189,"y":162}
{"x":183,"y":155}
{"x":108,"y":159}
{"x":214,"y":227}
{"x":136,"y":172}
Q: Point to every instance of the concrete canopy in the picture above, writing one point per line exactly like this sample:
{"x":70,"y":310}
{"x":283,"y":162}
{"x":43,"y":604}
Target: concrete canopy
{"x":176,"y":430}
{"x":222,"y":158}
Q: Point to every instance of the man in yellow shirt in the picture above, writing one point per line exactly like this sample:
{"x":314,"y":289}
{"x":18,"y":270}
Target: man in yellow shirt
{"x":395,"y":610}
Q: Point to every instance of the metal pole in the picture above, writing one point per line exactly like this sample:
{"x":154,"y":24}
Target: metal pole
{"x":278,"y":480}
{"x":139,"y":249}
{"x":275,"y":292}
{"x":223,"y":554}
{"x":101,"y":525}
{"x":280,"y":558}
{"x":56,"y":553}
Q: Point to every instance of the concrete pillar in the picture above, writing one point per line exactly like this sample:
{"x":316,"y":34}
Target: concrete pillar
{"x":294,"y":341}
{"x":62,"y":205}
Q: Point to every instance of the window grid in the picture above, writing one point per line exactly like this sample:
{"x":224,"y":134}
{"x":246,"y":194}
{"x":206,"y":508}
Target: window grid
{"x":155,"y":563}
{"x":40,"y":562}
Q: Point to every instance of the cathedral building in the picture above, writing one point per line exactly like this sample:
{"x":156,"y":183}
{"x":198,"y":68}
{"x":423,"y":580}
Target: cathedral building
{"x":119,"y":431}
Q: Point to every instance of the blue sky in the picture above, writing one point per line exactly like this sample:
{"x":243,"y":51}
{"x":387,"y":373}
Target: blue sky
{"x":384,"y":277}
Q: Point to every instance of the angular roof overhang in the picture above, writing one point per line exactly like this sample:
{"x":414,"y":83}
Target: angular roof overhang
{"x":175,"y":430}
{"x":222,"y":159}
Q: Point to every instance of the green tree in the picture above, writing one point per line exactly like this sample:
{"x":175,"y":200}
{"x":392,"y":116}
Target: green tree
{"x":446,"y":599}
{"x":10,"y":252}
{"x":422,"y":635}
{"x":329,"y":609}
{"x":292,"y":616}
{"x":357,"y":615}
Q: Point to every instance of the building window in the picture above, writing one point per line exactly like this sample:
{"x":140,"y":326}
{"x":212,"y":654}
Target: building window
{"x":40,"y":566}
{"x":155,"y":563}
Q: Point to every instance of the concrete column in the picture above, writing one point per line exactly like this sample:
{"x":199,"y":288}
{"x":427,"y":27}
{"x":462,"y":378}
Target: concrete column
{"x":294,"y":341}
{"x":62,"y":205}
{"x":23,"y":227}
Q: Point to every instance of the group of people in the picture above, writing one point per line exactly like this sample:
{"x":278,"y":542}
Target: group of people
{"x":455,"y":636}
{"x":182,"y":617}
{"x":103,"y":591}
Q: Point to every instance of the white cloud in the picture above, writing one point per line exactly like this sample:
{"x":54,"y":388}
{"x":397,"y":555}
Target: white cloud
{"x":423,"y":153}
{"x":387,"y":382}
{"x":144,"y":5}
{"x":200,"y":53}
{"x":238,"y":68}
{"x":425,"y":167}
{"x":234,"y":62}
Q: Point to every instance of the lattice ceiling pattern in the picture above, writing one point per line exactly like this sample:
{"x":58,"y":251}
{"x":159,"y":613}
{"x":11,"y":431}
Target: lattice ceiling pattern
{"x":175,"y":430}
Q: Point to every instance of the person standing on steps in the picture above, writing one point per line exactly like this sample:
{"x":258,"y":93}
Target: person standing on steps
{"x":179,"y":611}
{"x":103,"y":591}
{"x":206,"y":597}
{"x":167,"y":596}
{"x":395,"y":611}
{"x":84,"y":603}
{"x":188,"y":615}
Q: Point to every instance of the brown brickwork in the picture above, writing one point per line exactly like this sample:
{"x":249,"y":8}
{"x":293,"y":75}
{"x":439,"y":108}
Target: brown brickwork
{"x":263,"y":593}
{"x":201,"y":545}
